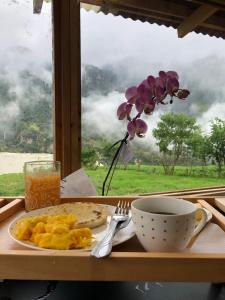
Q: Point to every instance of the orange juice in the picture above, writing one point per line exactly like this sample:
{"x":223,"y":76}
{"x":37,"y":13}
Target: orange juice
{"x":42,"y":186}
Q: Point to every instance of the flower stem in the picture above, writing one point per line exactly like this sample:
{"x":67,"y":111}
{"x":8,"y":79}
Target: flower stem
{"x":113,"y":164}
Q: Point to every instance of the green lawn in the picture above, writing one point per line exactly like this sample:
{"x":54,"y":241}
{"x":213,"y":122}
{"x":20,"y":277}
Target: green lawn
{"x":11,"y":184}
{"x":150,"y":179}
{"x":131,"y":181}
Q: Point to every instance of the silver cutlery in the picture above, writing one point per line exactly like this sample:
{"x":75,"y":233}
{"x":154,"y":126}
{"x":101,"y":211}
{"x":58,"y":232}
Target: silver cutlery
{"x":119,"y":220}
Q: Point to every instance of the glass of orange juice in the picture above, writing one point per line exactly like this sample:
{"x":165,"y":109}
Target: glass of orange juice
{"x":42,"y":184}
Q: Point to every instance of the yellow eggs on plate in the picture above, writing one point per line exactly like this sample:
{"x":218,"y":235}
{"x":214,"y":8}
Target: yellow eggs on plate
{"x":53,"y":232}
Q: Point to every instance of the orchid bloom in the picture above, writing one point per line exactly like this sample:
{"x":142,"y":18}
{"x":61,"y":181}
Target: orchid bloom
{"x":138,"y":127}
{"x":124,"y":110}
{"x":145,"y":97}
{"x":131,"y":94}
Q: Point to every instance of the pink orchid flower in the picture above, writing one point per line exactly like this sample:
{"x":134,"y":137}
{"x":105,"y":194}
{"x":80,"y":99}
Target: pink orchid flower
{"x":144,"y":101}
{"x":124,"y":110}
{"x":145,"y":97}
{"x":131,"y":94}
{"x":138,"y":127}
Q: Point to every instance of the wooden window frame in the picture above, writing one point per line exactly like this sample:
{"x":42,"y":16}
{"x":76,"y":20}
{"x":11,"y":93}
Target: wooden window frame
{"x":67,"y":84}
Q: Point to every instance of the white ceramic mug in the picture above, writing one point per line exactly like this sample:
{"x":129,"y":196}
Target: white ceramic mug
{"x":165,"y":223}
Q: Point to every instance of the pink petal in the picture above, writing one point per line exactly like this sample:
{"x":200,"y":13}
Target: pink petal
{"x":169,"y":87}
{"x":151,"y":81}
{"x":141,"y":127}
{"x":160,"y":93}
{"x":139,"y":104}
{"x":172,"y":86}
{"x":141,"y":89}
{"x":131,"y":94}
{"x":128,"y":108}
{"x":163,"y":76}
{"x":159,"y":82}
{"x":145,"y":83}
{"x":144,"y":92}
{"x":121,"y":111}
{"x":149,"y":107}
{"x":175,"y":84}
{"x":172,"y":74}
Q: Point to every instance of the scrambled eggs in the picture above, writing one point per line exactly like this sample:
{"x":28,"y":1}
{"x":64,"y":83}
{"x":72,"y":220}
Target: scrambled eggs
{"x":53,"y":232}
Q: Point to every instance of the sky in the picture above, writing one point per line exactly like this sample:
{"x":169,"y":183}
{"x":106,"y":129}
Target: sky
{"x":147,"y":43}
{"x":135,"y":47}
{"x":105,"y":39}
{"x":143,"y":49}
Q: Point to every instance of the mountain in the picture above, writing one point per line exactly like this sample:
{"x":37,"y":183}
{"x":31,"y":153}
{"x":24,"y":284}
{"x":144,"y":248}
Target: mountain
{"x":26,"y":101}
{"x":96,"y":80}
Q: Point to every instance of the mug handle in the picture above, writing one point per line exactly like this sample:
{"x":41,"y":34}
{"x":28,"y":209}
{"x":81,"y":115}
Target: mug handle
{"x":202,"y":222}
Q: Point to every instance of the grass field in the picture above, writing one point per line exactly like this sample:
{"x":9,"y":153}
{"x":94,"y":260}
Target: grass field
{"x":131,"y":181}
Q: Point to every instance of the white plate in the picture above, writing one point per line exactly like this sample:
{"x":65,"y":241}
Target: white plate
{"x":98,"y":233}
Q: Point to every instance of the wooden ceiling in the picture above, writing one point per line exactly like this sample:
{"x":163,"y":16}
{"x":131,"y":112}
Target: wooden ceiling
{"x":206,"y":17}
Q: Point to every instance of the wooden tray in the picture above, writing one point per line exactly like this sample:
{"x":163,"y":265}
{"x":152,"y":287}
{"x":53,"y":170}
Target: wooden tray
{"x":128,"y":261}
{"x":220,"y":203}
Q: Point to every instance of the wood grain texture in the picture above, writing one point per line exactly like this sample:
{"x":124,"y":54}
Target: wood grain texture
{"x":67,"y":84}
{"x":75,"y":77}
{"x":128,"y":261}
{"x":2,"y":202}
{"x":217,"y":216}
{"x":196,"y":191}
{"x":10,"y":208}
{"x":219,"y":4}
{"x":220,"y":203}
{"x":196,"y":18}
{"x":213,"y":193}
{"x":120,"y":266}
{"x":162,"y":10}
{"x":57,"y":82}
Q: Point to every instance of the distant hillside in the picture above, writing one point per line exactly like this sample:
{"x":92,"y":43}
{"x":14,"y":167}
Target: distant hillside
{"x":26,"y":100}
{"x":96,"y":80}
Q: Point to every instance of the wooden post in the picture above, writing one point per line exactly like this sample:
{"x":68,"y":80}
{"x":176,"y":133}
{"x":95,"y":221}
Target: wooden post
{"x":67,"y":84}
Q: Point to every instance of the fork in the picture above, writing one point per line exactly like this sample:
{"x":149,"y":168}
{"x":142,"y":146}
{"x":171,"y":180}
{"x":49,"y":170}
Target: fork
{"x":120,"y":216}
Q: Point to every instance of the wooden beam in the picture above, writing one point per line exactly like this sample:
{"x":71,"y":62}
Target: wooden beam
{"x":160,"y":10}
{"x":37,"y":6}
{"x":67,"y":84}
{"x":138,"y":13}
{"x":196,"y":18}
{"x":220,"y":4}
{"x":160,"y":6}
{"x":174,"y":17}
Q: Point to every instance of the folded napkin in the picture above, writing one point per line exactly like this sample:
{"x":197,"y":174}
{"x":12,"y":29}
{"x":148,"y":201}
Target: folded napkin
{"x":78,"y":183}
{"x":210,"y":240}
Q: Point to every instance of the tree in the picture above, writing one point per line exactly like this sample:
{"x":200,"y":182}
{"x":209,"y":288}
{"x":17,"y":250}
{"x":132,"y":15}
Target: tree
{"x":199,"y":147}
{"x":89,"y":156}
{"x":172,"y":134}
{"x":31,"y":130}
{"x":217,"y":143}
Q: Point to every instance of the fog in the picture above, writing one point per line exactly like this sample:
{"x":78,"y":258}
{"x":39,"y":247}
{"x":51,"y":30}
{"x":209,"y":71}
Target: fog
{"x":133,"y":50}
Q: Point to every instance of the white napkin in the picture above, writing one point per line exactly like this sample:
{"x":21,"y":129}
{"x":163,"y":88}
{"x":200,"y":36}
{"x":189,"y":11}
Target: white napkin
{"x":78,"y":183}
